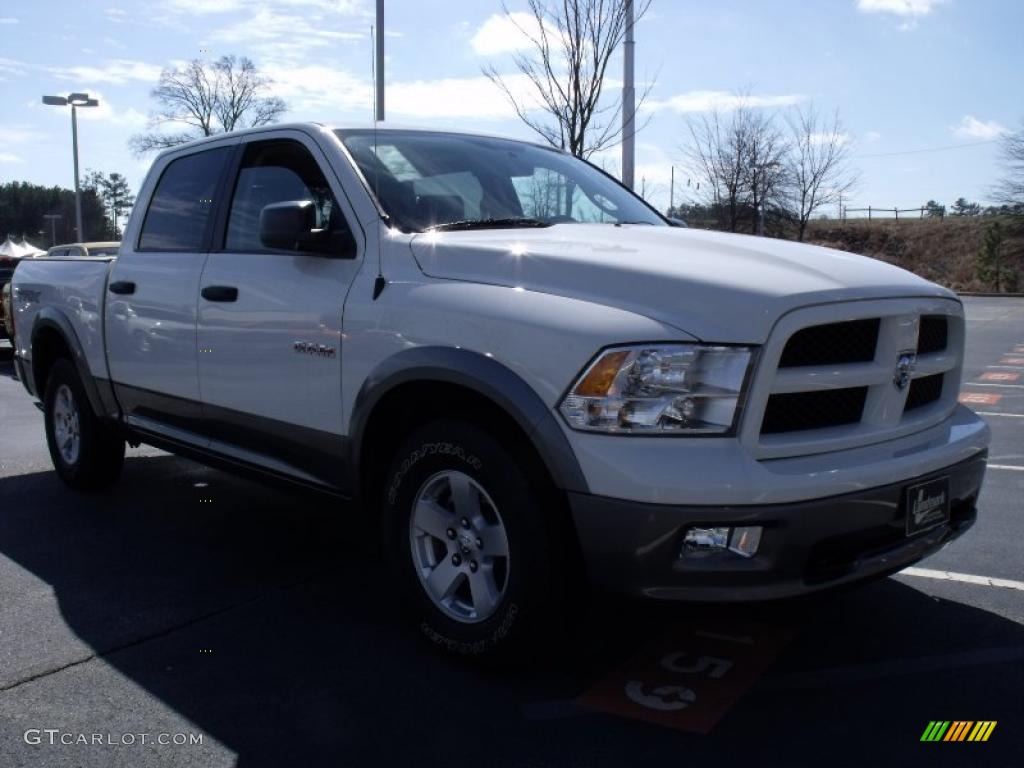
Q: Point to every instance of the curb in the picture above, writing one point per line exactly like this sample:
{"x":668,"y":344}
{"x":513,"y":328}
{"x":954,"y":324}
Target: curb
{"x":983,"y":294}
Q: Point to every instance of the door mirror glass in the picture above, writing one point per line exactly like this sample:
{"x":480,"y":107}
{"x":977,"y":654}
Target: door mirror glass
{"x":291,"y":226}
{"x":283,"y":225}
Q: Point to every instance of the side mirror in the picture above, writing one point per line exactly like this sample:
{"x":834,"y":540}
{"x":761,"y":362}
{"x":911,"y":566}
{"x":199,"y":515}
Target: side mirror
{"x":291,"y":226}
{"x":674,"y":222}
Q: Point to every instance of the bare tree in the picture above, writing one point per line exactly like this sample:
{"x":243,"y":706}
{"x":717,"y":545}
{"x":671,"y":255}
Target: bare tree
{"x":818,"y":164}
{"x":764,"y":163}
{"x":739,"y":158}
{"x":571,"y":44}
{"x":209,"y":98}
{"x":715,"y":154}
{"x":1010,"y":189}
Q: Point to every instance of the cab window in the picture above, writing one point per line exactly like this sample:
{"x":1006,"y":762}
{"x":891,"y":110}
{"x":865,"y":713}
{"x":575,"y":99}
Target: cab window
{"x":278,"y":172}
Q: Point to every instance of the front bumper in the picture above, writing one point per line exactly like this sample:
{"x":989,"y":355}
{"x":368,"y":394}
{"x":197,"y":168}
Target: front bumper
{"x":806,"y":546}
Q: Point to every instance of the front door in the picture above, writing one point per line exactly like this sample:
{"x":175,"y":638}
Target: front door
{"x":269,"y":320}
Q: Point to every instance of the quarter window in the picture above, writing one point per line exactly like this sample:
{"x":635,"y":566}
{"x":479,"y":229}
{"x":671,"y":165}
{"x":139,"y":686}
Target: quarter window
{"x":182,"y":203}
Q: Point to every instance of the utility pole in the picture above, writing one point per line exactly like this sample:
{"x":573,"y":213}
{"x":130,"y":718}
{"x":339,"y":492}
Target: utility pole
{"x":672,"y":193}
{"x":628,"y":103}
{"x":53,"y":226}
{"x":380,"y":60}
{"x":79,"y":237}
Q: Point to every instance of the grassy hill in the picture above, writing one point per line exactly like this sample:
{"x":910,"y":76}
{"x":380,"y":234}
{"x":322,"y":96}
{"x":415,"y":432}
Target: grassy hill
{"x":942,"y":250}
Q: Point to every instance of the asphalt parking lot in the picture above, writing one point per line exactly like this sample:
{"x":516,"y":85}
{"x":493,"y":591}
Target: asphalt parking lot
{"x":187,"y":601}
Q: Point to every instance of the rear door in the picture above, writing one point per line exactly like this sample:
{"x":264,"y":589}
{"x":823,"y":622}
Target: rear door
{"x":153,"y":292}
{"x":269,"y":321}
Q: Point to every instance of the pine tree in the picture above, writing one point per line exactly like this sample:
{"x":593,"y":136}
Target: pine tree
{"x":990,"y":258}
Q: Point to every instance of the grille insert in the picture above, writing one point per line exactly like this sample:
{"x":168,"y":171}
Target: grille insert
{"x":924,"y":391}
{"x":796,"y":411}
{"x":852,"y":341}
{"x":933,"y":335}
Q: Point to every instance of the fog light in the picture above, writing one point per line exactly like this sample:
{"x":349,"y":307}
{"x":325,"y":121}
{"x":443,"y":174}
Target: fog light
{"x":742,"y":541}
{"x":745,"y":541}
{"x":699,"y":540}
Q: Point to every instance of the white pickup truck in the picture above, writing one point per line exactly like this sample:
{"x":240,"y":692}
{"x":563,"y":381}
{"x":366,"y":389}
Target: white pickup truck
{"x":525,"y":371}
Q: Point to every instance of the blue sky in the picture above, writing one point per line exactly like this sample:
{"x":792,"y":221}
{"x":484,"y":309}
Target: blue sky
{"x":905,"y":75}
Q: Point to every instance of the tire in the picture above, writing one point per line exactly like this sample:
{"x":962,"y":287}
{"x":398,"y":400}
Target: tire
{"x":86,"y":454}
{"x":494,"y":589}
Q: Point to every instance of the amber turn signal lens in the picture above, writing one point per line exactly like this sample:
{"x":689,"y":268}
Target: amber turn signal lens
{"x":599,"y":378}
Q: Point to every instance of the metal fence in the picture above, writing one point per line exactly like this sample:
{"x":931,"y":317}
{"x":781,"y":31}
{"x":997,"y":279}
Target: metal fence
{"x":874,"y":212}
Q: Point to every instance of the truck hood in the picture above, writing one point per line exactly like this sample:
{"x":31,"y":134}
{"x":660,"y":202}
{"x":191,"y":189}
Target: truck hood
{"x":714,"y":286}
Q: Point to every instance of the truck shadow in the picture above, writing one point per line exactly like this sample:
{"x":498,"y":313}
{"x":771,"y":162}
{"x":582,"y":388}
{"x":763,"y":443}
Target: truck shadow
{"x":266,"y":620}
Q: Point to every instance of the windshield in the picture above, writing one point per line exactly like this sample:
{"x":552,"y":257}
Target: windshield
{"x":104,"y":250}
{"x":426,"y":180}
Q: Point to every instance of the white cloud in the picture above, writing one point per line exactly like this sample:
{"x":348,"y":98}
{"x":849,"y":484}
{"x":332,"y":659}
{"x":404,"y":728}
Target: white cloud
{"x":115,"y":71}
{"x":275,"y":34}
{"x":904,"y":8}
{"x":872,"y":136}
{"x":456,"y":97}
{"x":204,"y":7}
{"x":8,"y":20}
{"x":9,"y":157}
{"x":209,"y":7}
{"x":504,"y":34}
{"x":825,"y":138}
{"x":971,"y":127}
{"x":15,"y":135}
{"x":317,"y":92}
{"x":316,"y":88}
{"x":706,"y":101}
{"x":12,"y":66}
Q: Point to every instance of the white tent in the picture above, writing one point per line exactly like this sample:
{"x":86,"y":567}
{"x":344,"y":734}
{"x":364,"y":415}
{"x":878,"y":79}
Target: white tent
{"x":19,"y":250}
{"x":29,"y":249}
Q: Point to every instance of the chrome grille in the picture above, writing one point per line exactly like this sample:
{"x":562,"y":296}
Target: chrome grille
{"x":831,"y":378}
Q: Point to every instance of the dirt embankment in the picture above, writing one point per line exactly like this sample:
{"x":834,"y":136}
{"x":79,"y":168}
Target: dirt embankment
{"x":944,"y":251}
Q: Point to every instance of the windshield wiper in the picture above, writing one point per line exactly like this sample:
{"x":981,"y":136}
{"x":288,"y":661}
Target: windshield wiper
{"x":509,"y":223}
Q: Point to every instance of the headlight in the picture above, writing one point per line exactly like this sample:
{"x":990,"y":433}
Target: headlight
{"x":659,"y":389}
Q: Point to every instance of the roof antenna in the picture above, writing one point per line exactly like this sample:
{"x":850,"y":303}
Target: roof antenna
{"x":380,"y":283}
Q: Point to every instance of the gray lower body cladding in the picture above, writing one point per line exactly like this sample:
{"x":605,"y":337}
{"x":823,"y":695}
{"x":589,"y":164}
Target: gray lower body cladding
{"x":806,"y":546}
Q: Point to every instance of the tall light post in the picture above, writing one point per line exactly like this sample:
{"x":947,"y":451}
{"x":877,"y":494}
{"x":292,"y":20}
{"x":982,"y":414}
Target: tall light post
{"x":75,"y":100}
{"x":380,"y":61}
{"x":628,"y":103}
{"x":52,"y":218}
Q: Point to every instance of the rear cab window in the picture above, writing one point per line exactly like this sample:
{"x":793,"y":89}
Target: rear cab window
{"x":180,"y":210}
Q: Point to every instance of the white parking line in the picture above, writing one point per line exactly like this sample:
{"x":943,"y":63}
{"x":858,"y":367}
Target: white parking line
{"x":1007,"y":415}
{"x":990,"y":384}
{"x":985,"y":581}
{"x":1005,"y":466}
{"x":1007,"y":367}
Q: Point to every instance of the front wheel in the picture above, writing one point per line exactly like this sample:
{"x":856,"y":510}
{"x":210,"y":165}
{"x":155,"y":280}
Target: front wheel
{"x":86,"y":453}
{"x":471,"y":531}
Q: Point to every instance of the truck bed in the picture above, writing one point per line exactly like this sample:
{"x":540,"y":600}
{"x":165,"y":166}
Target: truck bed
{"x":75,"y":288}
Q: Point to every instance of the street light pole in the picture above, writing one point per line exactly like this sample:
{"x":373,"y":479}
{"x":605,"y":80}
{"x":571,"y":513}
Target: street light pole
{"x":53,"y":226}
{"x":78,"y":192}
{"x":628,"y":103}
{"x":380,"y":60}
{"x":75,"y":100}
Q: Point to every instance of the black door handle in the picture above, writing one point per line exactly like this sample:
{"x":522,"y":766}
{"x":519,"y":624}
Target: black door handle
{"x":220,"y":293}
{"x":123,"y":287}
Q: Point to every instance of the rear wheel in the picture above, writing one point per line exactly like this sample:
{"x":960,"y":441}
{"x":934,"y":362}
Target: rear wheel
{"x":470,"y":530}
{"x":86,"y":453}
